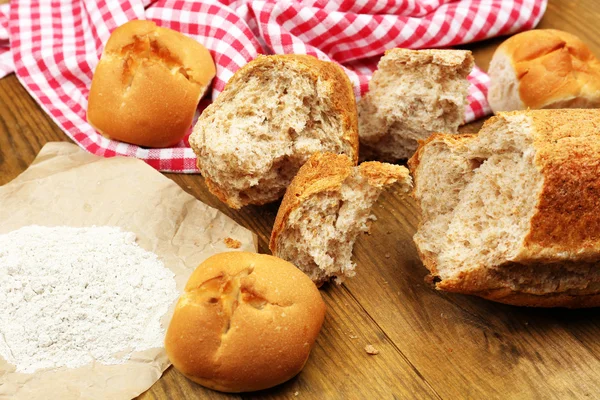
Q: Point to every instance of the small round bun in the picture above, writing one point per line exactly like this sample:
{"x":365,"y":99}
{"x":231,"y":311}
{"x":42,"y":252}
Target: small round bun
{"x":543,"y":68}
{"x":147,"y":85}
{"x":245,"y":322}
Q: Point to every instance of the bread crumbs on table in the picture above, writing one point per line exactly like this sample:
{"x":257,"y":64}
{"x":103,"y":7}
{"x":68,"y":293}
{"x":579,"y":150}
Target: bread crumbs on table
{"x":232,"y":243}
{"x":371,"y":350}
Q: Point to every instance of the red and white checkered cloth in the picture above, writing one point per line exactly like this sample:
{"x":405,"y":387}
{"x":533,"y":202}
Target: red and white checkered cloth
{"x":6,"y":63}
{"x":56,"y":44}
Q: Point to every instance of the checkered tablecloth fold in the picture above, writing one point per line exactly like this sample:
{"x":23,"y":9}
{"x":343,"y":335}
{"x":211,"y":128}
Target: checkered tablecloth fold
{"x":6,"y":63}
{"x":54,"y":46}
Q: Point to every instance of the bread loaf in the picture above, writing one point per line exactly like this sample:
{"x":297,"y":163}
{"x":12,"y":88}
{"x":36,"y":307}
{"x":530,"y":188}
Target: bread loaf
{"x":325,"y":208}
{"x":147,"y":85}
{"x":273,"y":114}
{"x":513,"y":214}
{"x":245,"y":322}
{"x":413,"y":94}
{"x":543,"y":68}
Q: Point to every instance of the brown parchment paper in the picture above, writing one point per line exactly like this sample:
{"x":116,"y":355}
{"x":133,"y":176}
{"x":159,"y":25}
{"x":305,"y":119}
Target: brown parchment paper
{"x":67,"y":186}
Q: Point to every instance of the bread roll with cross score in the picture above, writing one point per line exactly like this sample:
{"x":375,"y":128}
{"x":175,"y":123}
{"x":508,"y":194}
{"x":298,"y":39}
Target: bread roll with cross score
{"x":543,"y":68}
{"x":147,"y":85}
{"x":245,"y":322}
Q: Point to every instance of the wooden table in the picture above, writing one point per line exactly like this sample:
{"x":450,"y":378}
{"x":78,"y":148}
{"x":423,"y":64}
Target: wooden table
{"x":431,"y":344}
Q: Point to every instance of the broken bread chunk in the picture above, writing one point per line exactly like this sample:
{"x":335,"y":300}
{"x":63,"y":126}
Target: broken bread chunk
{"x":512,"y":214}
{"x":272,"y":116}
{"x":413,"y":94}
{"x":325,"y":208}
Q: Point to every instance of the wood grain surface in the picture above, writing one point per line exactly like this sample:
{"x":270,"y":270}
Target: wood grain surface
{"x":431,"y":344}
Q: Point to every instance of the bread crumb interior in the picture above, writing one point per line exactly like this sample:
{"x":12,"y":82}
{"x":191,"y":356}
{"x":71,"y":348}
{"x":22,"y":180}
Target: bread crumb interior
{"x":409,"y":101}
{"x":478,"y":198}
{"x":265,"y":130}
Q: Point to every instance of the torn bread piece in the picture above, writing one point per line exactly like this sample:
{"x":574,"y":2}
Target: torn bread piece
{"x":325,"y":208}
{"x":272,"y":116}
{"x":513,"y":214}
{"x":413,"y":94}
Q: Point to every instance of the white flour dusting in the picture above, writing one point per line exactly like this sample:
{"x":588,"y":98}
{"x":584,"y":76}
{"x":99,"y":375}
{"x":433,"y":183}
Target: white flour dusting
{"x":69,"y":296}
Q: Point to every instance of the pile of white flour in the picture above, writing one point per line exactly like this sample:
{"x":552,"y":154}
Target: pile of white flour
{"x":71,"y":296}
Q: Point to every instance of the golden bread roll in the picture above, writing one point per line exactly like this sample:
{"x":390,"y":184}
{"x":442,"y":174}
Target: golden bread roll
{"x":245,"y":322}
{"x":543,"y":68}
{"x":147,"y":85}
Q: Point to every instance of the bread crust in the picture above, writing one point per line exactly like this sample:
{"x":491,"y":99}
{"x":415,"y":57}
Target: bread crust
{"x":327,"y":172}
{"x":552,"y":68}
{"x":567,"y":222}
{"x":502,"y":287}
{"x":545,"y":301}
{"x":563,"y":240}
{"x":245,"y":322}
{"x":516,"y":298}
{"x":147,"y":85}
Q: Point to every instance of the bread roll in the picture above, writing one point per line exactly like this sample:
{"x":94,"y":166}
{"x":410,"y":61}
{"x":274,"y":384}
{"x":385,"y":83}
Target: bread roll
{"x":325,"y":208}
{"x":245,"y":322}
{"x":543,"y":68}
{"x":413,"y":94}
{"x":147,"y":85}
{"x":273,"y":114}
{"x":513,"y":214}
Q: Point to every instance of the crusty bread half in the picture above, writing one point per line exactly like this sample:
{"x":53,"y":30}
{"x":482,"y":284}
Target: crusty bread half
{"x":325,"y":208}
{"x":413,"y":94}
{"x":273,"y":114}
{"x":543,"y":68}
{"x":244,"y":322}
{"x":513,"y":214}
{"x":147,"y":85}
